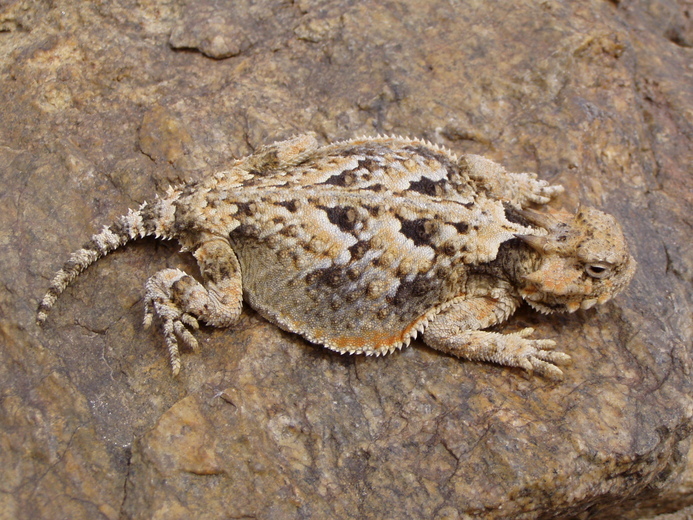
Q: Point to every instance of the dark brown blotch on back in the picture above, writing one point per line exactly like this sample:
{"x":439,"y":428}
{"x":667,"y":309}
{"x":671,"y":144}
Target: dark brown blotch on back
{"x":420,"y":231}
{"x":246,"y":208}
{"x":373,"y":211}
{"x":246,"y":230}
{"x":369,"y":164}
{"x":359,"y":249}
{"x":342,"y":179}
{"x":429,"y":187}
{"x":461,"y":227}
{"x":290,"y":205}
{"x":292,"y":230}
{"x":344,"y":217}
{"x":448,"y":249}
{"x":377,"y":187}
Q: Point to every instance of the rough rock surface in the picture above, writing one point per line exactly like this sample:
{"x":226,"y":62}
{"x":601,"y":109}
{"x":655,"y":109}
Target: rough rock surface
{"x":106,"y":103}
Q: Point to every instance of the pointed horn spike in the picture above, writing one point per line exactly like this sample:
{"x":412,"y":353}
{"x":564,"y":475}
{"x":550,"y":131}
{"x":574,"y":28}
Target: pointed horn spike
{"x":603,"y":298}
{"x":539,"y":244}
{"x":588,"y":304}
{"x":544,"y":220}
{"x":572,"y":306}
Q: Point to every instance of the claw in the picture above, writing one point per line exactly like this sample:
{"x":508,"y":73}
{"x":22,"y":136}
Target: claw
{"x":172,"y":346}
{"x":175,"y":364}
{"x":190,"y":321}
{"x":561,"y":358}
{"x":185,"y":335}
{"x":148,"y":313}
{"x":178,"y":300}
{"x":526,"y":332}
{"x":548,"y":370}
{"x":538,"y":356}
{"x":526,"y":364}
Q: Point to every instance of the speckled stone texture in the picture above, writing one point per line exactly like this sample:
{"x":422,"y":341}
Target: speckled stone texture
{"x":107,"y":103}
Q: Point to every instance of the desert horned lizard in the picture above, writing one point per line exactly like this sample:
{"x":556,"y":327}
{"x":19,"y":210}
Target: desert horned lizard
{"x":363,"y":244}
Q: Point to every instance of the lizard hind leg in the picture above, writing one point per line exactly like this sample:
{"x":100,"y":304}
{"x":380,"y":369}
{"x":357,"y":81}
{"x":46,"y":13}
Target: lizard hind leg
{"x":179,"y":301}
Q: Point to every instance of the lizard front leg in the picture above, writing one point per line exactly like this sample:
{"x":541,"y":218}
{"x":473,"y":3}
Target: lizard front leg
{"x":179,"y":300}
{"x":456,"y":331}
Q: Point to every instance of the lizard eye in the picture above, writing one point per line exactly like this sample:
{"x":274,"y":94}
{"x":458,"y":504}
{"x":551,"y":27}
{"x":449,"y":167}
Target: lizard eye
{"x":598,"y":270}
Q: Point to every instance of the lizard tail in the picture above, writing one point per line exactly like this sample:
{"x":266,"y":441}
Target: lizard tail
{"x":135,"y":224}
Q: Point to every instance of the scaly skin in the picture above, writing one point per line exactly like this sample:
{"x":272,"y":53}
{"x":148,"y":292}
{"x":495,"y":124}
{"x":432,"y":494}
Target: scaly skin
{"x":363,"y":244}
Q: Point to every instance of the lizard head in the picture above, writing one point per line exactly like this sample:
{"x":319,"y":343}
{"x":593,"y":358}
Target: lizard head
{"x":583,"y":260}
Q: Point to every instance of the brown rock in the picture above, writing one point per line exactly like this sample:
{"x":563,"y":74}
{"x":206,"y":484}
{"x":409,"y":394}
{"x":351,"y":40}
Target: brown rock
{"x":54,"y":463}
{"x":163,"y":138}
{"x":100,"y":113}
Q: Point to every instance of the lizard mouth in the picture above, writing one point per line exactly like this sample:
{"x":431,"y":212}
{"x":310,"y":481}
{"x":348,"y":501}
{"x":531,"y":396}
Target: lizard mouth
{"x":549,"y":303}
{"x":545,"y":307}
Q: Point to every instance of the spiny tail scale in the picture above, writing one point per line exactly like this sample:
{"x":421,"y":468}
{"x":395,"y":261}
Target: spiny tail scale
{"x":150,"y":219}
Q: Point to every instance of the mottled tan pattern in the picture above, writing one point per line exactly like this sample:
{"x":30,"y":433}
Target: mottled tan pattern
{"x":361,"y":245}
